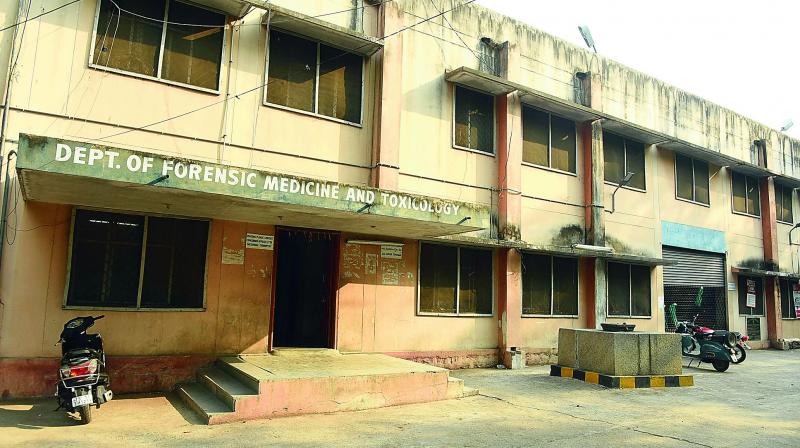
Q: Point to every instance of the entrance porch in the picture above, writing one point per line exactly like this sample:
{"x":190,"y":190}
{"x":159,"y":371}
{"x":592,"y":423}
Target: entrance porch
{"x":306,"y":381}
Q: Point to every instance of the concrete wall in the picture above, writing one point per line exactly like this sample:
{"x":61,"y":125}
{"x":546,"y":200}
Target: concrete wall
{"x":235,"y":320}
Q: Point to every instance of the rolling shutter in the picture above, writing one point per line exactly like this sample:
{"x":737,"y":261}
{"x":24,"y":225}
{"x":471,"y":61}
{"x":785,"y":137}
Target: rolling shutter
{"x":693,"y":268}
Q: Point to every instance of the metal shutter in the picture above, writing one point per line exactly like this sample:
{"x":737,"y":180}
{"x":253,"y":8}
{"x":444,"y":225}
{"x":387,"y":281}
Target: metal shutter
{"x":693,"y":268}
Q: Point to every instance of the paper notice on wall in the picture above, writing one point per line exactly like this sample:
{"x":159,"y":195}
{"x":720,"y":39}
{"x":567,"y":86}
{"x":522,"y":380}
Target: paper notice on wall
{"x":370,"y":264}
{"x":731,"y":286}
{"x":796,"y":296}
{"x":258,"y":241}
{"x":394,"y":252}
{"x":751,"y":293}
{"x":232,"y":256}
{"x":390,"y":273}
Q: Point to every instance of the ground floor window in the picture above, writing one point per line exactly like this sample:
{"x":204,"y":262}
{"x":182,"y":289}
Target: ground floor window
{"x":751,"y":296}
{"x":134,"y":261}
{"x":789,"y":305}
{"x":549,"y":285}
{"x":455,"y":280}
{"x":628,"y":290}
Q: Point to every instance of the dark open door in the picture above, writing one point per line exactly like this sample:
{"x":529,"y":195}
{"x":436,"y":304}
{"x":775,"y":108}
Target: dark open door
{"x":304,"y":306}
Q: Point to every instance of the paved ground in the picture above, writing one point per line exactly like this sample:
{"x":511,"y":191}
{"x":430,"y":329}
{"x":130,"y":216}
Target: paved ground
{"x":755,"y":404}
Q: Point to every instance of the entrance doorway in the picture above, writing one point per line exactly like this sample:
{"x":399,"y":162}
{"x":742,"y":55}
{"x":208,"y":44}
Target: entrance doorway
{"x":305,"y":287}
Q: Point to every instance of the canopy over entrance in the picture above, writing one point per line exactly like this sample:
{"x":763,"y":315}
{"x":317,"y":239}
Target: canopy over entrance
{"x":68,"y":172}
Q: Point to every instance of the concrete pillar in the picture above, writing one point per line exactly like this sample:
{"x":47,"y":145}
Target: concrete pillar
{"x":769,"y":229}
{"x":388,"y":102}
{"x":509,"y":179}
{"x":593,"y":270}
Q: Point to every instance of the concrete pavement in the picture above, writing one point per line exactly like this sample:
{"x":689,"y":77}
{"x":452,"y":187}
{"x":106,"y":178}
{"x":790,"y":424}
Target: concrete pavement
{"x":754,"y":404}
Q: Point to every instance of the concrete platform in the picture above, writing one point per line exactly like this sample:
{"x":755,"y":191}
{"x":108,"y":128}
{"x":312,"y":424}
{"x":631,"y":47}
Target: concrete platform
{"x":299,"y":381}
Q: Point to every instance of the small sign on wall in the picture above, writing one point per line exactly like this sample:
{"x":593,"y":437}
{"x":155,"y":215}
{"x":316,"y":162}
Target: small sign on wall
{"x":731,"y":286}
{"x":258,"y":241}
{"x":392,"y":251}
{"x":751,"y":293}
{"x":796,"y":296}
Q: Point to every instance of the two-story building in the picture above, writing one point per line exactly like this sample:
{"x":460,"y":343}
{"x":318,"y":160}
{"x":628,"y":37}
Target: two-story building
{"x":428,"y":179}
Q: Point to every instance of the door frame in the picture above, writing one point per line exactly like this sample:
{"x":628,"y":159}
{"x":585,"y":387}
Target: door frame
{"x":333,"y":285}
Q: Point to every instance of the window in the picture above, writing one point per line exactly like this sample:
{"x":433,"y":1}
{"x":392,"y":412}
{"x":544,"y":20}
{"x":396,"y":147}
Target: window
{"x":628,"y":290}
{"x":184,"y":54}
{"x":313,"y":77}
{"x":783,"y":203}
{"x":754,"y":287}
{"x":548,"y":140}
{"x":788,"y":304}
{"x":622,"y":156}
{"x":455,"y":280}
{"x":474,"y":120}
{"x":691,"y":179}
{"x":549,"y":285}
{"x":745,"y":194}
{"x":134,"y":261}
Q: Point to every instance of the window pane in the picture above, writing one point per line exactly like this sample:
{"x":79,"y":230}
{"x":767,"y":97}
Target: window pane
{"x":618,"y":290}
{"x":475,"y":295}
{"x":535,"y":284}
{"x":634,"y":152}
{"x":739,"y":189}
{"x":787,"y":299}
{"x":535,"y":136}
{"x":474,"y":120}
{"x":753,"y":197}
{"x":565,"y":286}
{"x":340,"y":84}
{"x":613,"y":157}
{"x":778,"y":202}
{"x":127,"y":42}
{"x":106,"y":257}
{"x":174,"y":273}
{"x":683,"y":177}
{"x":437,"y":278}
{"x":701,"y":182}
{"x":192,"y":55}
{"x":640,"y":290}
{"x":563,"y":141}
{"x":292,"y":71}
{"x":788,"y":195}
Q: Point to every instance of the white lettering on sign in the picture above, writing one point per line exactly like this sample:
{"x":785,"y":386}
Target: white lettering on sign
{"x":392,"y":251}
{"x":238,"y":177}
{"x":258,"y":241}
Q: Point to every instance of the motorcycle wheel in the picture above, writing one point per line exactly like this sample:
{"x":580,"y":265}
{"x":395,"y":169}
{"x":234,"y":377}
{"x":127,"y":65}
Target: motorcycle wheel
{"x":720,"y":366}
{"x":86,"y":414}
{"x":739,"y":354}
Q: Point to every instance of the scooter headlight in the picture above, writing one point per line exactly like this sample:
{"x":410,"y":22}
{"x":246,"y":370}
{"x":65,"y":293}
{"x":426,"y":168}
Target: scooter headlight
{"x":730,"y":339}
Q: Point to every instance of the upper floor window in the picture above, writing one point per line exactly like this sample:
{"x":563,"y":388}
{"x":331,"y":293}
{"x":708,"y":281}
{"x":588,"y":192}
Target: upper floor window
{"x":745,"y":194}
{"x":474,"y":120}
{"x":622,"y":156}
{"x":455,"y":280}
{"x":315,"y":78}
{"x":134,"y":261}
{"x":783,"y":203}
{"x":691,"y":179}
{"x":549,"y":285}
{"x":160,"y":48}
{"x":548,"y":140}
{"x":628,"y":290}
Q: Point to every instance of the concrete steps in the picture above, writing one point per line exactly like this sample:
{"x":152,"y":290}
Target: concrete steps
{"x":267,"y":386}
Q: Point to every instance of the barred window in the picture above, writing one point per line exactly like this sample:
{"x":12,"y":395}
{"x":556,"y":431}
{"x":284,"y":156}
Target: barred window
{"x":134,"y":261}
{"x":455,"y":280}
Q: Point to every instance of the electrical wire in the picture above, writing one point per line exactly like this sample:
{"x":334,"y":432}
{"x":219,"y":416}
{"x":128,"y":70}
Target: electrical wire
{"x":252,"y":89}
{"x":28,"y":19}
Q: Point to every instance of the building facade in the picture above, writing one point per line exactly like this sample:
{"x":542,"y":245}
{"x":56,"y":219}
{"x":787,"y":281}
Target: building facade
{"x":428,"y":179}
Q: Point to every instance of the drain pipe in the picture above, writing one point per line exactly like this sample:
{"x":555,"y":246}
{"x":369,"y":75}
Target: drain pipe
{"x":4,"y":126}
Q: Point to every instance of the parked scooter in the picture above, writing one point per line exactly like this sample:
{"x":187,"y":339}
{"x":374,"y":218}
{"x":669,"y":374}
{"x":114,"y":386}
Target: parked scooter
{"x":83,"y":381}
{"x":706,"y":345}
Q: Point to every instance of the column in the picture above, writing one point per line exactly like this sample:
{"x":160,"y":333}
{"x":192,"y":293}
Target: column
{"x":769,"y":229}
{"x":593,"y":270}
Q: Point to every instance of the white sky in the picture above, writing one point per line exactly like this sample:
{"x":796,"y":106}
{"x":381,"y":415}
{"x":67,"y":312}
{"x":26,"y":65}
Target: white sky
{"x":739,"y":54}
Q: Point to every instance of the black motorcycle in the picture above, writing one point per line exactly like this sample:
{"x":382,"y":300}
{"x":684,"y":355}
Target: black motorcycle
{"x":83,"y":381}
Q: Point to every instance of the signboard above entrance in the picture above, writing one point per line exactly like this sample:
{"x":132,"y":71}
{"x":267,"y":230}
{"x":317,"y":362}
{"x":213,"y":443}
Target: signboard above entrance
{"x":155,"y":171}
